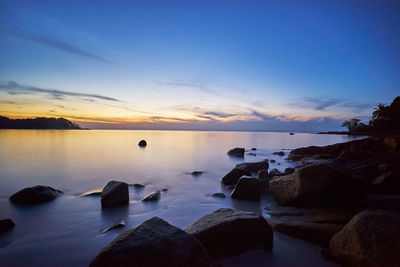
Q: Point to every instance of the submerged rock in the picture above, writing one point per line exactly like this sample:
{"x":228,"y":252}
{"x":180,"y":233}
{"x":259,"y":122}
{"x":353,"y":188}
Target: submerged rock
{"x":291,"y":133}
{"x":119,"y":224}
{"x":153,"y":196}
{"x":35,"y":195}
{"x":253,"y":166}
{"x":142,"y":143}
{"x":197,"y":173}
{"x":253,"y":149}
{"x":274,"y":172}
{"x":237,"y":152}
{"x":371,"y":238}
{"x":280,"y":153}
{"x":6,"y":224}
{"x":226,"y":232}
{"x":153,"y":243}
{"x":115,"y":194}
{"x":233,"y":176}
{"x":247,"y":189}
{"x":138,"y":186}
{"x":321,"y":184}
{"x":219,"y":195}
{"x":272,"y":161}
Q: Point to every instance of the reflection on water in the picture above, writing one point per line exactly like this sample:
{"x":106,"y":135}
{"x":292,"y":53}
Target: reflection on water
{"x":80,"y":161}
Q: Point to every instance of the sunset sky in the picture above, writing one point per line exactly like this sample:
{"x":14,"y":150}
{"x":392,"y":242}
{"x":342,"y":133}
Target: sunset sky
{"x":199,"y":65}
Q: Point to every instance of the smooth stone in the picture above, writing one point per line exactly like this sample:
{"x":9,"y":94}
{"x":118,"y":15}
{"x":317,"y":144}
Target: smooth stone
{"x":237,"y":152}
{"x":262,"y":174}
{"x":115,"y":193}
{"x":226,"y":232}
{"x":272,"y":161}
{"x":289,"y":171}
{"x":153,"y":196}
{"x":253,"y":166}
{"x":197,"y":173}
{"x":91,"y":194}
{"x":219,"y":195}
{"x":274,"y":172}
{"x":233,"y":176}
{"x":35,"y":195}
{"x":119,"y":224}
{"x":6,"y":225}
{"x":142,"y":143}
{"x":247,"y":189}
{"x":253,"y":149}
{"x":291,"y":133}
{"x":153,"y":243}
{"x":138,"y":186}
{"x":280,"y":153}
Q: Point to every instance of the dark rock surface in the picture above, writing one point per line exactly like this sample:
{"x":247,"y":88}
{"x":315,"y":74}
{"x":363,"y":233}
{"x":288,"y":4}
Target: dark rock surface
{"x":237,"y":152}
{"x":197,"y":173}
{"x":247,"y":189}
{"x":279,"y":153}
{"x":289,"y":171}
{"x":153,"y":196}
{"x":6,"y":225}
{"x":138,"y":186}
{"x":274,"y":172}
{"x":153,"y":243}
{"x":253,"y":166}
{"x":119,"y":224}
{"x":115,"y":194}
{"x":233,"y":176}
{"x":262,"y":174}
{"x":35,"y":195}
{"x":142,"y":143}
{"x":226,"y":232}
{"x":317,"y":185}
{"x":371,"y":238}
{"x":218,"y":195}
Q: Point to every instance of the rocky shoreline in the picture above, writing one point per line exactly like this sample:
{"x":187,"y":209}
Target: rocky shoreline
{"x":344,"y":197}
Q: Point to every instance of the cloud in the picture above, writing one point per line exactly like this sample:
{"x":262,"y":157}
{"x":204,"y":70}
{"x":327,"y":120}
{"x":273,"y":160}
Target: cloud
{"x":14,"y":88}
{"x":50,"y":42}
{"x":220,"y":114}
{"x":188,"y":84}
{"x":323,"y":103}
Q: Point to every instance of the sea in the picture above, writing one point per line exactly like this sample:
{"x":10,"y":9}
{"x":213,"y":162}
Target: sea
{"x":68,"y":230}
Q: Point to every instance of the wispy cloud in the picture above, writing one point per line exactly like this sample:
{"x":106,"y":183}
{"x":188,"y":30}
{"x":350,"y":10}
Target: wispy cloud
{"x":50,"y":42}
{"x":14,"y":88}
{"x":188,"y":84}
{"x":324,"y":103}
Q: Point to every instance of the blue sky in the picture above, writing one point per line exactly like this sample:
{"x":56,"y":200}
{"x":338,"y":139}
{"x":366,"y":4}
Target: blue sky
{"x":204,"y":65}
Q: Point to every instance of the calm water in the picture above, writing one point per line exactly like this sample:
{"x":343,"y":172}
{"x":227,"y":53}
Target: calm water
{"x":67,"y":231}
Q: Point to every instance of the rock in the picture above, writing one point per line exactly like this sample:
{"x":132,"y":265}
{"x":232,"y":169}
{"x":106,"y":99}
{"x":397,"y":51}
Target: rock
{"x":233,"y":176}
{"x":251,"y":154}
{"x":142,"y":143}
{"x":219,"y":195}
{"x":138,"y":186}
{"x":6,"y":224}
{"x":165,"y":189}
{"x":237,"y":152}
{"x":91,"y":194}
{"x":253,"y":149}
{"x":247,"y":189}
{"x":226,"y":232}
{"x":231,"y":187}
{"x":274,"y":172}
{"x":262,"y":174}
{"x":115,"y":194}
{"x":289,"y":171}
{"x":321,"y":184}
{"x":35,"y":195}
{"x":272,"y":161}
{"x":280,"y":153}
{"x":253,"y":166}
{"x":291,"y":133}
{"x":153,"y":196}
{"x":153,"y":243}
{"x":371,"y":238}
{"x":387,"y":183}
{"x":197,"y":173}
{"x":119,"y":224}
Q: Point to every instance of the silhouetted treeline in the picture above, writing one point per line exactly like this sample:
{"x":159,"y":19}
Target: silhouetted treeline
{"x":37,"y":123}
{"x":385,"y":119}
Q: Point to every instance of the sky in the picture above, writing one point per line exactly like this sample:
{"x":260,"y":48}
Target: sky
{"x":199,"y":65}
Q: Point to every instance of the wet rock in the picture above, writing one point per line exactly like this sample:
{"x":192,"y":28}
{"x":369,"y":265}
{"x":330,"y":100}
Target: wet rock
{"x":251,"y":154}
{"x":35,"y":195}
{"x":371,"y":238}
{"x":274,"y":172}
{"x":142,"y":143}
{"x":165,"y":189}
{"x":138,"y":186}
{"x":291,"y":133}
{"x":119,"y":224}
{"x":253,"y":149}
{"x":262,"y":174}
{"x":237,"y":152}
{"x":321,"y":184}
{"x":6,"y":225}
{"x":387,"y":183}
{"x":233,"y":176}
{"x":253,"y":166}
{"x":219,"y":195}
{"x":247,"y":189}
{"x":197,"y":173}
{"x":272,"y":161}
{"x":231,"y":187}
{"x":153,"y":196}
{"x":153,"y":243}
{"x":280,"y":153}
{"x":289,"y":171}
{"x":226,"y":232}
{"x":115,"y":193}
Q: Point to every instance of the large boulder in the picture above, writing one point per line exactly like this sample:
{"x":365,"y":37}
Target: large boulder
{"x":226,"y":232}
{"x":321,"y":184}
{"x":371,"y":238}
{"x":35,"y":195}
{"x":153,"y":243}
{"x":6,"y":224}
{"x":237,"y":152}
{"x":248,"y":188}
{"x":233,"y":176}
{"x":253,"y":166}
{"x":115,"y":194}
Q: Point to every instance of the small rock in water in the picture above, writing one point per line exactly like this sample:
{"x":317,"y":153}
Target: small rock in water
{"x":142,"y":143}
{"x":165,"y":189}
{"x":236,"y":152}
{"x":6,"y":224}
{"x":115,"y":194}
{"x":138,"y":186}
{"x":253,"y":148}
{"x":291,"y":134}
{"x":280,"y":153}
{"x":197,"y":173}
{"x":274,"y":172}
{"x":247,"y":189}
{"x":262,"y":174}
{"x":119,"y":224}
{"x":35,"y":195}
{"x":91,"y":194}
{"x":219,"y":195}
{"x":251,"y":154}
{"x":153,"y":196}
{"x":272,"y":161}
{"x":233,"y":176}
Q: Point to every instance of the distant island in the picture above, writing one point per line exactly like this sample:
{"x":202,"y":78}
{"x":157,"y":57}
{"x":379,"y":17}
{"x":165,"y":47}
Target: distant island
{"x":37,"y":123}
